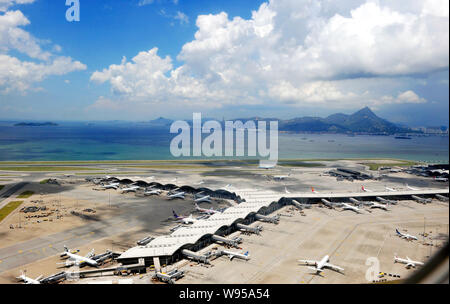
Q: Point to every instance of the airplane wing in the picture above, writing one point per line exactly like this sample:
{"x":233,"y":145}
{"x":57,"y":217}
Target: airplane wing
{"x":334,"y":267}
{"x":308,"y":262}
{"x":39,"y":278}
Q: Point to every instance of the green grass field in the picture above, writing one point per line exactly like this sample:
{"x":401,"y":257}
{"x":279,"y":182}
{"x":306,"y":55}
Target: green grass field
{"x":44,"y":181}
{"x":26,"y":194}
{"x":5,"y":211}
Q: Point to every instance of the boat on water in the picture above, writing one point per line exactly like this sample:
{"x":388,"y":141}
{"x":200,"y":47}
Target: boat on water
{"x":403,"y":137}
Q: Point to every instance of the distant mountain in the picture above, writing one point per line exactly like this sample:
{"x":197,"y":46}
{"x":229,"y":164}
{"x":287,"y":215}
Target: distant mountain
{"x":160,"y":122}
{"x":362,"y":121}
{"x":35,"y":124}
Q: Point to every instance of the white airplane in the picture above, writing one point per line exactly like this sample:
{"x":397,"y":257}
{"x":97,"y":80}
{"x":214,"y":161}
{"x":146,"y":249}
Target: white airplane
{"x":130,"y":189}
{"x":390,"y":189}
{"x":365,"y":190}
{"x":75,"y":259}
{"x":409,"y":263}
{"x":411,"y":188}
{"x":320,"y":265}
{"x":111,"y":186}
{"x":346,"y":206}
{"x":207,"y":211}
{"x":441,"y":179}
{"x":375,"y":205}
{"x":405,"y":235}
{"x":152,"y":192}
{"x":281,"y":177}
{"x":176,"y":195}
{"x":205,"y":198}
{"x":238,"y":255}
{"x":185,"y":220}
{"x":28,"y":280}
{"x":286,"y":190}
{"x":266,"y":166}
{"x":313,"y":190}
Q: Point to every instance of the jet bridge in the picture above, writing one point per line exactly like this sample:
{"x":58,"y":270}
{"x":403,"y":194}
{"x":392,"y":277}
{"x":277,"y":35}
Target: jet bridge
{"x":442,"y":198}
{"x":421,"y":199}
{"x":385,"y":201}
{"x":273,"y":219}
{"x":234,"y":242}
{"x":255,"y":230}
{"x":194,"y":256}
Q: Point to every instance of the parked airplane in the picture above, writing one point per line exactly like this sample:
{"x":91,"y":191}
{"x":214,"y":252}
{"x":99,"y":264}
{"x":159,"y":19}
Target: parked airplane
{"x":405,"y":235}
{"x":176,"y":195}
{"x":365,"y":190}
{"x":346,"y":206}
{"x":266,"y":166}
{"x":411,"y":188}
{"x":281,"y":177}
{"x":130,"y":189}
{"x":78,"y":260}
{"x":28,"y":280}
{"x":111,"y":186}
{"x":185,"y":220}
{"x":205,"y":198}
{"x":152,"y":192}
{"x":390,"y":189}
{"x":379,"y":206}
{"x":409,"y":263}
{"x":207,"y":211}
{"x":319,"y":266}
{"x":238,"y":255}
{"x":441,"y":179}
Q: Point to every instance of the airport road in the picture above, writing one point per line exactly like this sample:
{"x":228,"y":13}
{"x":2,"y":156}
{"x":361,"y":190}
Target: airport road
{"x":141,"y":214}
{"x":11,"y":191}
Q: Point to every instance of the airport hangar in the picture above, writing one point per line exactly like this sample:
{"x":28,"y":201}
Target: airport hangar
{"x":257,"y":205}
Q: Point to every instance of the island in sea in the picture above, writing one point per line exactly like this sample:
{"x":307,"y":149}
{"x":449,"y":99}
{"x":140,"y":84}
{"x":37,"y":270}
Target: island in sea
{"x":35,"y":124}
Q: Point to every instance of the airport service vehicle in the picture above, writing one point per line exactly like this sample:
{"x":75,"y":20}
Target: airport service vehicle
{"x":405,"y":235}
{"x":77,"y":260}
{"x":409,"y":263}
{"x":319,"y":266}
{"x":28,"y":280}
{"x":185,"y":220}
{"x":207,"y":211}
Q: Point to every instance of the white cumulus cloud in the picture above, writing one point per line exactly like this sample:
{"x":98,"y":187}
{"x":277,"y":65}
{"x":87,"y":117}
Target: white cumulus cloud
{"x":296,"y":52}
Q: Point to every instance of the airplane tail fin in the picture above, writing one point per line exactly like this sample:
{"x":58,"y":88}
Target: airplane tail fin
{"x":175,"y":215}
{"x":246,"y":253}
{"x":362,"y":188}
{"x":65,"y":249}
{"x":312,"y":189}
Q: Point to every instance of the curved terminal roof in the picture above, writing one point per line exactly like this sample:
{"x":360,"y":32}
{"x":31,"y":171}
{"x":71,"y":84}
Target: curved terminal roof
{"x":169,"y":244}
{"x":255,"y":201}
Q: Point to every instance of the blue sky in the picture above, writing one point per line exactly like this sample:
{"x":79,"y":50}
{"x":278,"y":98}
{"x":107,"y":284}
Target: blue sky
{"x":284,"y":58}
